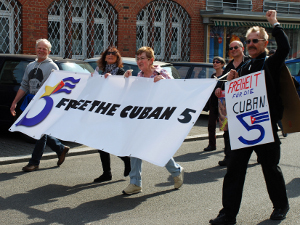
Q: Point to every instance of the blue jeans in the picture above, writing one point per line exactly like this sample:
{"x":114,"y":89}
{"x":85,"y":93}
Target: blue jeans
{"x":40,"y":145}
{"x":136,"y":170}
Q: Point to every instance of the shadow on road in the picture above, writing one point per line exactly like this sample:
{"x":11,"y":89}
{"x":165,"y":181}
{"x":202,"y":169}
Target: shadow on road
{"x":32,"y":204}
{"x":293,"y":188}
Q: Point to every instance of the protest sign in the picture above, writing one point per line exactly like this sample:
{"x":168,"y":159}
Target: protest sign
{"x":247,"y":107}
{"x":122,"y":116}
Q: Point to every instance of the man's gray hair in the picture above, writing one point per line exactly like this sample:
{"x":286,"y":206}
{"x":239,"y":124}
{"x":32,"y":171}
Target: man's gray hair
{"x":262,"y":32}
{"x":239,"y":43}
{"x":45,"y":41}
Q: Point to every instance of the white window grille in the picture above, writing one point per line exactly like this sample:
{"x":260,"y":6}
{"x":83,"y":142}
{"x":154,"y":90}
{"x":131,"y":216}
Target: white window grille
{"x":287,"y":7}
{"x":81,"y":28}
{"x":164,"y":26}
{"x":10,"y":23}
{"x":237,"y":5}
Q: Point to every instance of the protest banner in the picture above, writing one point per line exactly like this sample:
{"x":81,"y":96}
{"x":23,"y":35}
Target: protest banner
{"x":248,"y":114}
{"x":122,"y":116}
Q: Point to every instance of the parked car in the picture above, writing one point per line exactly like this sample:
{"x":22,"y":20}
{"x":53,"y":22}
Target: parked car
{"x":12,"y":69}
{"x":294,"y":67}
{"x":194,"y":70}
{"x":130,"y":63}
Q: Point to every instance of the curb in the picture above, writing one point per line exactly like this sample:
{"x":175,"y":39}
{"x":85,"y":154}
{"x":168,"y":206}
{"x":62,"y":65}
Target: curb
{"x":201,"y":137}
{"x":86,"y":150}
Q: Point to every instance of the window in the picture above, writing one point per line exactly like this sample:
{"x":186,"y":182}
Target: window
{"x":294,"y":66}
{"x":237,"y":5}
{"x":202,"y":72}
{"x":10,"y":23}
{"x":217,"y":45}
{"x":164,"y":26}
{"x":12,"y":72}
{"x":182,"y":70}
{"x":81,"y":28}
{"x":77,"y":67}
{"x":282,"y":6}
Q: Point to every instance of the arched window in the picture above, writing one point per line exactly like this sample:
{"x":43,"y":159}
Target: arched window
{"x":81,"y":28}
{"x":164,"y":26}
{"x":10,"y":23}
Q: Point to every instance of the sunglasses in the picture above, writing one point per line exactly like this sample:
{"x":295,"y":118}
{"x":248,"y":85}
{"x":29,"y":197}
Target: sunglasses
{"x":216,"y":62}
{"x":235,"y":47}
{"x":255,"y":41}
{"x":111,"y":53}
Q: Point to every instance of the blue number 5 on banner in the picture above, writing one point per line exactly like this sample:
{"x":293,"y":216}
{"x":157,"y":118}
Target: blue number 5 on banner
{"x":256,"y":118}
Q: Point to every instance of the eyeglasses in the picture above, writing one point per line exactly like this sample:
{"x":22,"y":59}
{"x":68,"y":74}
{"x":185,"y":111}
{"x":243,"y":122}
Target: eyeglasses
{"x":254,"y":41}
{"x":141,"y":58}
{"x":111,"y":53}
{"x":216,"y":62}
{"x":235,"y":47}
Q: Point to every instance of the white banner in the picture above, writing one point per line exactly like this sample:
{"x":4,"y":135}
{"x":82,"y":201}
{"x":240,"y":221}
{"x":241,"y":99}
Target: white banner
{"x":249,"y":121}
{"x":122,"y":116}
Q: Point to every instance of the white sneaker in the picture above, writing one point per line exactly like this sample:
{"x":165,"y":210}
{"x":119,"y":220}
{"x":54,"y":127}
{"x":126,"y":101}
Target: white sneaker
{"x":132,"y":189}
{"x":178,"y":181}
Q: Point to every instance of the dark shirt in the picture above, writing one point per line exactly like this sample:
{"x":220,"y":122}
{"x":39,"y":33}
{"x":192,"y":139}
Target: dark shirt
{"x":121,"y":71}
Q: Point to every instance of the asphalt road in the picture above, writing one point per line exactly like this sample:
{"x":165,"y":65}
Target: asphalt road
{"x":67,"y":194}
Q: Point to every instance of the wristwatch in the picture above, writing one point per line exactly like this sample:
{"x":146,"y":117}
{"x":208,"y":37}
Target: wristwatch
{"x":275,"y":24}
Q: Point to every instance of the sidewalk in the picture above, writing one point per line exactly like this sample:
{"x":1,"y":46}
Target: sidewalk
{"x":13,"y":149}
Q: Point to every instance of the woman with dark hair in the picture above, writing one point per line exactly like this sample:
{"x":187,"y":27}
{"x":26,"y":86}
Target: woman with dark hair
{"x":218,"y":64}
{"x":110,"y":63}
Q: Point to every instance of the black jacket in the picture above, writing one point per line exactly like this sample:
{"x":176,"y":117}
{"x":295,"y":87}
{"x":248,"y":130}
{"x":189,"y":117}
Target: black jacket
{"x":272,"y":66}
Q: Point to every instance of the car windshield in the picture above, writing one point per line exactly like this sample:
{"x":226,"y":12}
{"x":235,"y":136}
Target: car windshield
{"x":13,"y":71}
{"x":93,"y":64}
{"x":294,"y":67}
{"x":77,"y":67}
{"x":202,"y":72}
{"x":135,"y":68}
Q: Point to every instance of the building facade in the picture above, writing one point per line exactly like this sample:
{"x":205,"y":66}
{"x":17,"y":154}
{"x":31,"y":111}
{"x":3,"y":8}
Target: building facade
{"x":178,"y":30}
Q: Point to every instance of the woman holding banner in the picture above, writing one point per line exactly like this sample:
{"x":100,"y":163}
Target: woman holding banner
{"x":145,"y":59}
{"x":110,"y":63}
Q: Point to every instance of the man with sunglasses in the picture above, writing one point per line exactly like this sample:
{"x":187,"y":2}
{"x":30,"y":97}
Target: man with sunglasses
{"x":269,"y":154}
{"x":236,"y":49}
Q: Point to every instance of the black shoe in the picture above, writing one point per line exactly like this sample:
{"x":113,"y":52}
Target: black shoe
{"x":279,"y":214}
{"x":258,"y":161}
{"x":284,"y":134}
{"x":209,"y":148}
{"x":103,"y":177}
{"x":222,"y":219}
{"x":223,"y":163}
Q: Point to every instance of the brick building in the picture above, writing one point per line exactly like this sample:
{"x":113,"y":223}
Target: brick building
{"x":178,"y":30}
